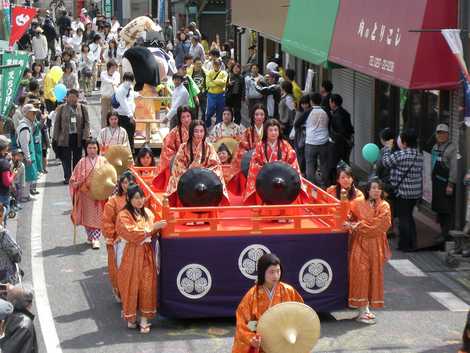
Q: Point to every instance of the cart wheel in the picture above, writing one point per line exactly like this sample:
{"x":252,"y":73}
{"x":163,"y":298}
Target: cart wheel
{"x":11,"y":214}
{"x":452,"y":261}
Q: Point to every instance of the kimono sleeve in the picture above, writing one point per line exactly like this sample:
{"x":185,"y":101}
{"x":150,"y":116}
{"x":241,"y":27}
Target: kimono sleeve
{"x":128,"y":228}
{"x":108,"y":221}
{"x":243,"y":315}
{"x":372,"y":227}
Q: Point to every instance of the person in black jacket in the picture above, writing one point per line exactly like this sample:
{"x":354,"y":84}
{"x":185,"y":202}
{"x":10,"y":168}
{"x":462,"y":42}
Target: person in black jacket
{"x":325,"y":91}
{"x":235,"y":92}
{"x":51,"y":35}
{"x":64,"y":22}
{"x":271,"y":90}
{"x":341,"y":133}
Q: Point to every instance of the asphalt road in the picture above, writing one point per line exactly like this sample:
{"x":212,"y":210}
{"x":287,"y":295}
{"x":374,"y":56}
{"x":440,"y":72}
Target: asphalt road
{"x":425,"y":310}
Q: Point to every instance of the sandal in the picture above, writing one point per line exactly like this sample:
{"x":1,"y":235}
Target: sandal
{"x":365,"y":318}
{"x":145,"y":328}
{"x":132,"y":325}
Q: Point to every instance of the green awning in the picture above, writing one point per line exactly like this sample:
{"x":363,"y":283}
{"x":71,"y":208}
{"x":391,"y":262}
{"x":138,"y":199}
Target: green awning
{"x":309,"y":29}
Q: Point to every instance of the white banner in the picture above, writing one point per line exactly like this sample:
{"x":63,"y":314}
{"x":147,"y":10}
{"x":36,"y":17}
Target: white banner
{"x":452,"y":37}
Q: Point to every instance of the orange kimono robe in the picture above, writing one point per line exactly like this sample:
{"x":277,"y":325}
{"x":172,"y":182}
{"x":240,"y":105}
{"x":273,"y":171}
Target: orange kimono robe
{"x":182,"y":164}
{"x":237,"y":180}
{"x":171,"y":144}
{"x":259,"y":160}
{"x":253,"y":305}
{"x":137,"y":273}
{"x":111,"y":209}
{"x":359,"y":196}
{"x":369,"y":251}
{"x":86,"y":211}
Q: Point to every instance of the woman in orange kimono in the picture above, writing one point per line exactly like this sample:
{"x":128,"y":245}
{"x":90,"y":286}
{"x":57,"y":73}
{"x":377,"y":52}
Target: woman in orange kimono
{"x":249,"y":139}
{"x":225,"y":157}
{"x":86,"y":211}
{"x":196,"y":153}
{"x":171,"y":144}
{"x":114,"y":205}
{"x":345,"y":181}
{"x":267,"y":292}
{"x":368,"y":251}
{"x":137,"y":269}
{"x":272,"y":148}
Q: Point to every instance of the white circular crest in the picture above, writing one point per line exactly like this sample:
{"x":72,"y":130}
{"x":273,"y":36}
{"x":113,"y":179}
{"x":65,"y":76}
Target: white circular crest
{"x":22,"y":19}
{"x":194,"y":281}
{"x":248,"y":259}
{"x":315,"y":276}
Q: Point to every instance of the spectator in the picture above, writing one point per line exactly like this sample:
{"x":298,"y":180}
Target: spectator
{"x":406,"y":177}
{"x":26,"y":143}
{"x":95,"y":56}
{"x":5,"y":310}
{"x":38,"y":72}
{"x":316,"y":142}
{"x":18,"y":113}
{"x":325,"y":91}
{"x":179,"y":98}
{"x":70,"y":77}
{"x":196,"y":50}
{"x":20,"y":334}
{"x":20,"y":182}
{"x":296,"y":90}
{"x":199,"y":77}
{"x":51,"y":35}
{"x":77,"y":40}
{"x":444,"y":179}
{"x":216,"y":82}
{"x":111,"y":53}
{"x":115,"y":25}
{"x":10,"y":254}
{"x":252,"y":59}
{"x":71,"y":130}
{"x":85,"y":68}
{"x":271,"y":90}
{"x":235,"y":92}
{"x":193,"y":28}
{"x":191,"y":87}
{"x":168,"y":32}
{"x":286,"y":108}
{"x":64,"y":22}
{"x":182,"y":49}
{"x":214,"y":54}
{"x":110,"y":80}
{"x":77,"y":24}
{"x":125,"y":96}
{"x":301,"y":116}
{"x":381,"y":171}
{"x":67,"y":39}
{"x":39,"y":46}
{"x":341,"y":133}
{"x":68,"y":56}
{"x":7,"y":176}
{"x":252,"y":95}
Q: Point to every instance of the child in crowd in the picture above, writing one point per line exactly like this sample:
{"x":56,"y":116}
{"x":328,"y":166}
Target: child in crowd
{"x":19,"y":181}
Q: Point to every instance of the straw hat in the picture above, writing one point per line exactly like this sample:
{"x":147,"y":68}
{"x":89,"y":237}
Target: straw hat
{"x":103,"y":182}
{"x":230,"y":142}
{"x":120,"y":157}
{"x":289,"y":327}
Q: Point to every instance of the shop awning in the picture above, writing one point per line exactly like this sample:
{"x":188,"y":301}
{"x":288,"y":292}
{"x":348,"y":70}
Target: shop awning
{"x":265,"y":16}
{"x":309,"y":29}
{"x":373,"y":37}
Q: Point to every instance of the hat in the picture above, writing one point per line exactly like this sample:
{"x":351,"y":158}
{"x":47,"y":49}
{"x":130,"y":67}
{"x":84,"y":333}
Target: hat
{"x":39,"y":29}
{"x":289,"y":327}
{"x":103,"y":182}
{"x":442,"y":128}
{"x":29,"y":108}
{"x":192,"y":24}
{"x":120,"y":157}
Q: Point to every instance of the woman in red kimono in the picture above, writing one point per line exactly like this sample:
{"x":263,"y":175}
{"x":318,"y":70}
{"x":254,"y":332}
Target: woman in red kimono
{"x":87,"y":211}
{"x":272,"y":148}
{"x":171,"y":144}
{"x":249,"y":139}
{"x":267,"y":292}
{"x":368,"y":251}
{"x":196,"y":153}
{"x":114,"y":205}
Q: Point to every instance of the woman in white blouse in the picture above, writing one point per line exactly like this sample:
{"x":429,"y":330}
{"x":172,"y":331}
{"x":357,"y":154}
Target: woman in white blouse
{"x":112,"y":134}
{"x":110,"y":80}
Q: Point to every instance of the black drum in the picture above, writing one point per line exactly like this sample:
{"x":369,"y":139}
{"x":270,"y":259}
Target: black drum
{"x":200,"y":187}
{"x":245,"y":165}
{"x":278,"y":183}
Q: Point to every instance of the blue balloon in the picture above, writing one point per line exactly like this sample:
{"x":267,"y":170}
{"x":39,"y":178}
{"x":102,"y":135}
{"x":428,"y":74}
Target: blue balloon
{"x":60,"y":91}
{"x":371,"y":152}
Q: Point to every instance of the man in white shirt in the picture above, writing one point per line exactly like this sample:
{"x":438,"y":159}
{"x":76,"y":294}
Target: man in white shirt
{"x":125,"y":96}
{"x":316,"y":141}
{"x":39,"y":46}
{"x":110,"y":80}
{"x":180,"y":97}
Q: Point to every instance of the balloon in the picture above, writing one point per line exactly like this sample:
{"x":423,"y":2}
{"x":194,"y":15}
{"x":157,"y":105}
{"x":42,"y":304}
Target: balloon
{"x":56,"y":73}
{"x":60,"y":91}
{"x":370,"y":152}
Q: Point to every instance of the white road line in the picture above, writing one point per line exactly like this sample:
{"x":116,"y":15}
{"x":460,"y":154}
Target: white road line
{"x":407,"y":268}
{"x":450,"y":301}
{"x":43,"y":307}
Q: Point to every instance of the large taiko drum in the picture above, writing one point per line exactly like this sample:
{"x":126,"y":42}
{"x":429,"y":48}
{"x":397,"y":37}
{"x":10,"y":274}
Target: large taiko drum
{"x":200,"y":187}
{"x":277,"y":183}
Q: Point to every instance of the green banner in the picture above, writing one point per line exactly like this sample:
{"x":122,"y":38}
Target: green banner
{"x":107,"y":8}
{"x":11,"y":78}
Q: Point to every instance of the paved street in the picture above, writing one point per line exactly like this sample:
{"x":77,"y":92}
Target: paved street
{"x":425,"y":308}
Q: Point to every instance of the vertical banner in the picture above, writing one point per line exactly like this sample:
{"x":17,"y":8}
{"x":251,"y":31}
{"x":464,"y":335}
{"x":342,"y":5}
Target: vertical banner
{"x":11,"y":78}
{"x":21,"y":19}
{"x":107,"y":8}
{"x":161,"y":12}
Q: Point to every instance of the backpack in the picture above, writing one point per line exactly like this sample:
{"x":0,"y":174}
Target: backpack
{"x":114,"y":102}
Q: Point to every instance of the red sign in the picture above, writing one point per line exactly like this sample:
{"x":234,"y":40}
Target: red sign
{"x":379,"y":38}
{"x":21,"y":18}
